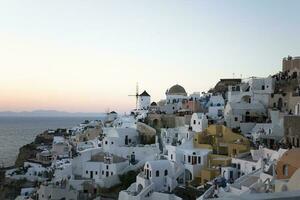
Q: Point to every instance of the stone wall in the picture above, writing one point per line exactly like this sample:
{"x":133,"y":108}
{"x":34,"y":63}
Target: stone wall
{"x":292,"y":129}
{"x":147,"y":133}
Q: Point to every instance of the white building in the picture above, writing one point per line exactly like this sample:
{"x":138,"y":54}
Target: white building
{"x":253,"y":89}
{"x":269,"y":132}
{"x":175,"y":136}
{"x":199,"y":122}
{"x":144,"y":101}
{"x":248,"y":103}
{"x":247,"y":163}
{"x":125,"y":122}
{"x":116,"y":137}
{"x":193,"y":159}
{"x":216,"y":107}
{"x":174,"y":98}
{"x":103,"y":165}
{"x":238,"y":114}
{"x":158,"y":176}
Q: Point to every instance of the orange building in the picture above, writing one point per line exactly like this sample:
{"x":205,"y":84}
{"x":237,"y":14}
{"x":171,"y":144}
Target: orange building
{"x":288,"y":164}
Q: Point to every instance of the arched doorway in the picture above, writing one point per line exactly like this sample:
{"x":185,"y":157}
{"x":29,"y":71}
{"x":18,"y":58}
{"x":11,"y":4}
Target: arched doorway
{"x":188,"y":175}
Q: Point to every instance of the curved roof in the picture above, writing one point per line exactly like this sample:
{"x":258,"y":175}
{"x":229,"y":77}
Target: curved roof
{"x":291,"y":157}
{"x":153,"y":104}
{"x":177,"y":90}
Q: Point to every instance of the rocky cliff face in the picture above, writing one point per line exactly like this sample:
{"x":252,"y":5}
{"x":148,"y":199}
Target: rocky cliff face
{"x":26,"y":152}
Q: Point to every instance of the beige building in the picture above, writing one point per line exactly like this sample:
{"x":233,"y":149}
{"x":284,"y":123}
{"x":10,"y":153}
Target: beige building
{"x":292,"y":130}
{"x":290,"y":63}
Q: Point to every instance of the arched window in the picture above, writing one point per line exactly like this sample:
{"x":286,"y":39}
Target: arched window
{"x":166,"y":172}
{"x":157,"y":173}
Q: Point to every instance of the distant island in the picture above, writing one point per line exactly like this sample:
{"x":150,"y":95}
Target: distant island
{"x":49,"y":113}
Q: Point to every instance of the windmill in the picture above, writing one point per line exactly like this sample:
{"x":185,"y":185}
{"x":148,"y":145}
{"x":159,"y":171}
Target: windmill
{"x":136,"y":95}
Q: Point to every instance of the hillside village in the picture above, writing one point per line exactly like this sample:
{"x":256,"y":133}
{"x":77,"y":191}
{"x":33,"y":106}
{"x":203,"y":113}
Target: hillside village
{"x":239,"y":139}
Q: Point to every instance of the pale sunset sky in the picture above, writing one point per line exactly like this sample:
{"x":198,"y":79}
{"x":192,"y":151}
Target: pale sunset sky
{"x":75,"y":55}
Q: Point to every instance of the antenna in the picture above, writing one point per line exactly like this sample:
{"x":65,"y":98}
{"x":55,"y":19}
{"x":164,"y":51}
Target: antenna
{"x":136,"y":95}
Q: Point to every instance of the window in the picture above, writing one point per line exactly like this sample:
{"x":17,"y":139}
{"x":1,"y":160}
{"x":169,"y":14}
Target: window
{"x":194,"y":121}
{"x":236,"y":119}
{"x":150,"y":174}
{"x":86,"y":172}
{"x":166,"y":172}
{"x":106,"y":166}
{"x":105,"y":142}
{"x":171,"y":156}
{"x":96,"y":172}
{"x":263,"y":87}
{"x":285,"y":170}
{"x":112,"y":142}
{"x":239,"y":166}
{"x":157,"y":173}
{"x":102,"y":172}
{"x":253,"y":168}
{"x":111,"y":173}
{"x":199,"y":159}
{"x":189,"y":159}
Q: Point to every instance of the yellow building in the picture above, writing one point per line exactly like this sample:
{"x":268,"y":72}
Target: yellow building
{"x":225,"y":145}
{"x":222,"y":140}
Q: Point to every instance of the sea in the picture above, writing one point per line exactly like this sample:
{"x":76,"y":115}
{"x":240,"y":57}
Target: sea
{"x":18,"y":131}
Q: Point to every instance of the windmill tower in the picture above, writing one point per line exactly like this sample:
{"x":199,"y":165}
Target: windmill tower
{"x":136,"y":95}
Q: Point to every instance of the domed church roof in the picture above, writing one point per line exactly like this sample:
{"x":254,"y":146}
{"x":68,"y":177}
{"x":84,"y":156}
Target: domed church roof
{"x":176,"y":90}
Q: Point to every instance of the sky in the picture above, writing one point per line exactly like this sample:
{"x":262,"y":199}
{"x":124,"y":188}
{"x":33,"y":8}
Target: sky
{"x":75,"y":55}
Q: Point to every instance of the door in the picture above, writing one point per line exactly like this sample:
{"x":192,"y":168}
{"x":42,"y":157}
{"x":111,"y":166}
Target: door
{"x":126,"y":140}
{"x":231,"y":175}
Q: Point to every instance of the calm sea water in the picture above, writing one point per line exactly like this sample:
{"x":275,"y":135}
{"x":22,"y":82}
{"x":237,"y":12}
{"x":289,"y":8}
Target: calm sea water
{"x":18,"y":131}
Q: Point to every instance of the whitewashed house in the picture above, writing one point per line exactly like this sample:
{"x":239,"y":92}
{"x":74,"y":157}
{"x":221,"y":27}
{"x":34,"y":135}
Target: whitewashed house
{"x":116,"y":137}
{"x":199,"y":122}
{"x":157,"y":178}
{"x":103,"y":165}
{"x":176,"y":136}
{"x":269,"y":133}
{"x":248,"y":103}
{"x":193,"y":159}
{"x":125,"y":122}
{"x":216,"y":106}
{"x":247,"y":163}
